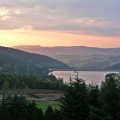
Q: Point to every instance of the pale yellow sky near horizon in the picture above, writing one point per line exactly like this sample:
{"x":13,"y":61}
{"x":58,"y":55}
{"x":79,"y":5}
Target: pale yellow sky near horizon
{"x":10,"y":38}
{"x":60,"y":23}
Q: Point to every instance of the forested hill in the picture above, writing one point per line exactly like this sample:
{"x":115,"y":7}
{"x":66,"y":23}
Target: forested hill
{"x":13,"y":60}
{"x":80,"y":57}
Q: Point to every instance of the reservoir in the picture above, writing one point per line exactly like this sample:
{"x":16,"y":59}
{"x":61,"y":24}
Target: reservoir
{"x":95,"y":77}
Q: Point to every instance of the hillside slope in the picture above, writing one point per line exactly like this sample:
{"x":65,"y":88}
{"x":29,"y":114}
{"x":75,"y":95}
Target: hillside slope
{"x":84,"y":58}
{"x":13,"y":60}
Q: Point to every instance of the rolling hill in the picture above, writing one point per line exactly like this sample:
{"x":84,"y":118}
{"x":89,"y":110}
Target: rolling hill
{"x":72,"y":50}
{"x":16,"y":61}
{"x":84,"y":58}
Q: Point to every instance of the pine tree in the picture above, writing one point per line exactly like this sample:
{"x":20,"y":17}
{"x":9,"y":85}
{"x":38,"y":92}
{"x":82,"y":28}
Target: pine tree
{"x":38,"y":114}
{"x":110,"y":96}
{"x":23,"y":108}
{"x":58,"y":115}
{"x":97,"y":114}
{"x":74,"y":104}
{"x":109,"y":100}
{"x":49,"y":114}
{"x":4,"y":111}
{"x":94,"y":94}
{"x":31,"y":110}
{"x":15,"y":109}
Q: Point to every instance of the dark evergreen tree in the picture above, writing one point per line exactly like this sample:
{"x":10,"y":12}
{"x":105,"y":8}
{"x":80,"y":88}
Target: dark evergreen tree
{"x":75,"y":104}
{"x":38,"y":114}
{"x":97,"y":114}
{"x":58,"y":115}
{"x":18,"y":108}
{"x":23,"y":112}
{"x":94,"y":94}
{"x":4,"y":111}
{"x":49,"y":114}
{"x":31,"y":110}
{"x":109,"y":100}
{"x":15,"y":109}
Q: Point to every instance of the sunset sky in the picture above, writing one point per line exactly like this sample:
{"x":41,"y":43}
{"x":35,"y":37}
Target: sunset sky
{"x":60,"y":23}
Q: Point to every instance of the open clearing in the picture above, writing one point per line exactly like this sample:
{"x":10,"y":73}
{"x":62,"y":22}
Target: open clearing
{"x":42,"y":97}
{"x":37,"y":94}
{"x":44,"y":104}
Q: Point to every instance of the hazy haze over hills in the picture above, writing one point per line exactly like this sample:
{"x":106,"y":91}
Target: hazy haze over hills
{"x":72,"y":50}
{"x":85,"y":58}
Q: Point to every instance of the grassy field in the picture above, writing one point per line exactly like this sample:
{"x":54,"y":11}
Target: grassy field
{"x":44,"y":104}
{"x":43,"y":97}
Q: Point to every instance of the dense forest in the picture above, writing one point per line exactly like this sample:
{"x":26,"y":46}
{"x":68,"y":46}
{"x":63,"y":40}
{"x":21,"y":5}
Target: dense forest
{"x":16,"y":61}
{"x":18,"y":81}
{"x":17,"y":107}
{"x":80,"y":102}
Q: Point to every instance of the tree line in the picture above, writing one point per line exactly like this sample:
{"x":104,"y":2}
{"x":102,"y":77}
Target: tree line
{"x":32,"y":81}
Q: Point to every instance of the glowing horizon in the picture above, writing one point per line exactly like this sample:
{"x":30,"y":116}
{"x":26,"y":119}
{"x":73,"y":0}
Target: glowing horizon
{"x":50,"y":39}
{"x":60,"y":23}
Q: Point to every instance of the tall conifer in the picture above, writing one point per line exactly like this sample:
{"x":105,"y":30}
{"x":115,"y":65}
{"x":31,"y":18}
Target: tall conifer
{"x":74,"y":104}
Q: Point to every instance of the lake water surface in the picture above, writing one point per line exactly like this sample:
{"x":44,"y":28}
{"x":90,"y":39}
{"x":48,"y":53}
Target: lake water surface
{"x":89,"y":76}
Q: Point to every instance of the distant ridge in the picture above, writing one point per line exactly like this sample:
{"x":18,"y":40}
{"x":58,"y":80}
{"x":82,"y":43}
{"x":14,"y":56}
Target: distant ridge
{"x":68,"y":50}
{"x":80,"y":57}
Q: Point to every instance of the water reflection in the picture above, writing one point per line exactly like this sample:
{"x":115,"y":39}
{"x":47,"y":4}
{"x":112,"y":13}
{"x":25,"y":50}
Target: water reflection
{"x":89,"y":76}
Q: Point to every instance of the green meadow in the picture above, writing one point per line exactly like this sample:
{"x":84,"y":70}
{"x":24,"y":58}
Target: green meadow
{"x":44,"y":104}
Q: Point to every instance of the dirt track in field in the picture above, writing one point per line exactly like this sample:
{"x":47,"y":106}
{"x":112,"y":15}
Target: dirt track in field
{"x":37,"y":94}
